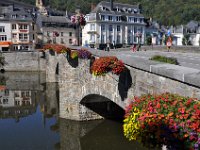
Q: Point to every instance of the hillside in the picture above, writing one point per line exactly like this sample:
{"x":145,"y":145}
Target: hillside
{"x":168,"y":12}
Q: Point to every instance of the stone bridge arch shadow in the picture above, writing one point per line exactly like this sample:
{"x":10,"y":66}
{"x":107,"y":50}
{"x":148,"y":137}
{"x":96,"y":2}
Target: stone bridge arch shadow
{"x":103,"y":106}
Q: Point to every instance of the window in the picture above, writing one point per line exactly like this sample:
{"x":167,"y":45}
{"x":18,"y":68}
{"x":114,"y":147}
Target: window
{"x":3,"y":38}
{"x":92,"y":37}
{"x":48,"y":34}
{"x":118,"y":28}
{"x":110,"y":38}
{"x":61,"y":33}
{"x":110,"y":28}
{"x":23,"y":26}
{"x":14,"y":26}
{"x":110,"y":18}
{"x":15,"y":47}
{"x":33,"y":36}
{"x":70,"y":33}
{"x":135,"y":19}
{"x":6,"y":92}
{"x":54,"y":40}
{"x":27,"y":94}
{"x":92,"y":27}
{"x":24,"y":47}
{"x":102,"y":27}
{"x":14,"y":35}
{"x":102,"y":17}
{"x":102,"y":38}
{"x":23,"y":37}
{"x":118,"y":18}
{"x":14,"y":16}
{"x":2,"y":29}
{"x":118,"y":38}
{"x":70,"y":41}
{"x":62,"y":41}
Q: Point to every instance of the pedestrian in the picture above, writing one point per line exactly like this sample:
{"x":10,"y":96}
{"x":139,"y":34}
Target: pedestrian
{"x":134,"y":48}
{"x":108,"y":47}
{"x":114,"y":46}
{"x":169,"y":43}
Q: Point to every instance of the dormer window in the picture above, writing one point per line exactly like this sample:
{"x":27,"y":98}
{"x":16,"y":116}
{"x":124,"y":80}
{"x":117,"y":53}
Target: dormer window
{"x":129,"y":10}
{"x":135,"y":10}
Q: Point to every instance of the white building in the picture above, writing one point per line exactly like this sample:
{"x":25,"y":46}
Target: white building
{"x":17,"y":28}
{"x":114,"y":23}
{"x":5,"y":35}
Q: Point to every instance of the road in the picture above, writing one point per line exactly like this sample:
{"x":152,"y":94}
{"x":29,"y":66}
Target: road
{"x":191,"y":60}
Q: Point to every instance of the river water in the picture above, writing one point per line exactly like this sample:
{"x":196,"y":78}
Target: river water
{"x":29,"y":120}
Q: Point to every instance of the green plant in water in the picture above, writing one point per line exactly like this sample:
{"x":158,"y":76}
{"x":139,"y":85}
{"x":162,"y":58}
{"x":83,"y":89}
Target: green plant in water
{"x":164,"y":59}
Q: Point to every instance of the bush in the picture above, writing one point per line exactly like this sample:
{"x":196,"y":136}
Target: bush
{"x":169,"y":60}
{"x":164,"y":117}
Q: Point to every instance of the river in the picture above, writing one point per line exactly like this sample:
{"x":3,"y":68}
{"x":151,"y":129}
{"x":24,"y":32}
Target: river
{"x":29,"y":120}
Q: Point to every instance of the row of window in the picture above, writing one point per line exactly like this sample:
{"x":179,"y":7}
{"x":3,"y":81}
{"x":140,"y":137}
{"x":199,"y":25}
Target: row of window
{"x":61,"y":33}
{"x":124,"y":9}
{"x":110,"y":27}
{"x":14,"y":27}
{"x":20,"y":47}
{"x":61,"y":41}
{"x":119,"y":18}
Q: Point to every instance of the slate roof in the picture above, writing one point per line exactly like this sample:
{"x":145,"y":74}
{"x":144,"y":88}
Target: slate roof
{"x":131,"y":9}
{"x":14,"y":11}
{"x":55,"y":19}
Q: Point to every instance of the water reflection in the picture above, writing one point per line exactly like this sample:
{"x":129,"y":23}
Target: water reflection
{"x":29,"y":120}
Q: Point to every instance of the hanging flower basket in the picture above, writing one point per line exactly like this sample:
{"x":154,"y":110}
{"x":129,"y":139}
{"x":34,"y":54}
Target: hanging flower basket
{"x":106,"y":64}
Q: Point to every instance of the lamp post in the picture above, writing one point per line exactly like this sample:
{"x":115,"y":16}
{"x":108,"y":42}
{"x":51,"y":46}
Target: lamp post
{"x":79,"y":21}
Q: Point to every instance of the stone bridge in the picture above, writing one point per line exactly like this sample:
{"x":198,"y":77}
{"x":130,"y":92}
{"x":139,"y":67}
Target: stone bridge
{"x":81,"y":93}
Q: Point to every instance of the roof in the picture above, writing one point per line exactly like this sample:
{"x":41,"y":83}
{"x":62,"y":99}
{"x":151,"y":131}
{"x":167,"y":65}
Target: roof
{"x":118,"y":9}
{"x":55,"y":19}
{"x":11,"y":13}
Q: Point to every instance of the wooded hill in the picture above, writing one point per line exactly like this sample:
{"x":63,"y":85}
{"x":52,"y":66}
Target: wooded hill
{"x":167,"y":12}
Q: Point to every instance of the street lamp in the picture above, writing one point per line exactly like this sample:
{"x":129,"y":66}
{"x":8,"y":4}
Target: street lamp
{"x":79,"y":21}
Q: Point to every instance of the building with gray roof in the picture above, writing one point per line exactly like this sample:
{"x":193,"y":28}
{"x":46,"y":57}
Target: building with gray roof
{"x":115,"y":24}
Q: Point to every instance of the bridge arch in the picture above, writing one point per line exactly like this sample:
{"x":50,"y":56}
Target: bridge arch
{"x":105,"y":87}
{"x":103,"y":106}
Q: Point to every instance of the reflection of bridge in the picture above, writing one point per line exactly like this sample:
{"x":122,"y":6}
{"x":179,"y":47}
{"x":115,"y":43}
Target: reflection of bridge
{"x":78,"y":87}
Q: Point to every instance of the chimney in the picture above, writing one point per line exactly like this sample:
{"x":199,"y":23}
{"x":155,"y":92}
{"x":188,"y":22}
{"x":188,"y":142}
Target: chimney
{"x":111,"y":5}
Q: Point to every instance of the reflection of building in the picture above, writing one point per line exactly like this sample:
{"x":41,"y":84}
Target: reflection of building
{"x":16,"y":104}
{"x":114,"y":23}
{"x":17,"y":28}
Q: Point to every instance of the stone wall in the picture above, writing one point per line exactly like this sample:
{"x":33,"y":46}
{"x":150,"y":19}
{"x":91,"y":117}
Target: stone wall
{"x":75,"y":83}
{"x":24,"y":61}
{"x":195,"y":49}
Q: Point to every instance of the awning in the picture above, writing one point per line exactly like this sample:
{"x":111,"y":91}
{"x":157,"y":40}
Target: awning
{"x":5,"y":44}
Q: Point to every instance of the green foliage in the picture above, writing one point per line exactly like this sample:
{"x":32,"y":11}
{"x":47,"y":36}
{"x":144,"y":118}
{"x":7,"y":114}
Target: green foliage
{"x":169,"y":60}
{"x":148,"y":40}
{"x":186,"y":40}
{"x":167,"y":12}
